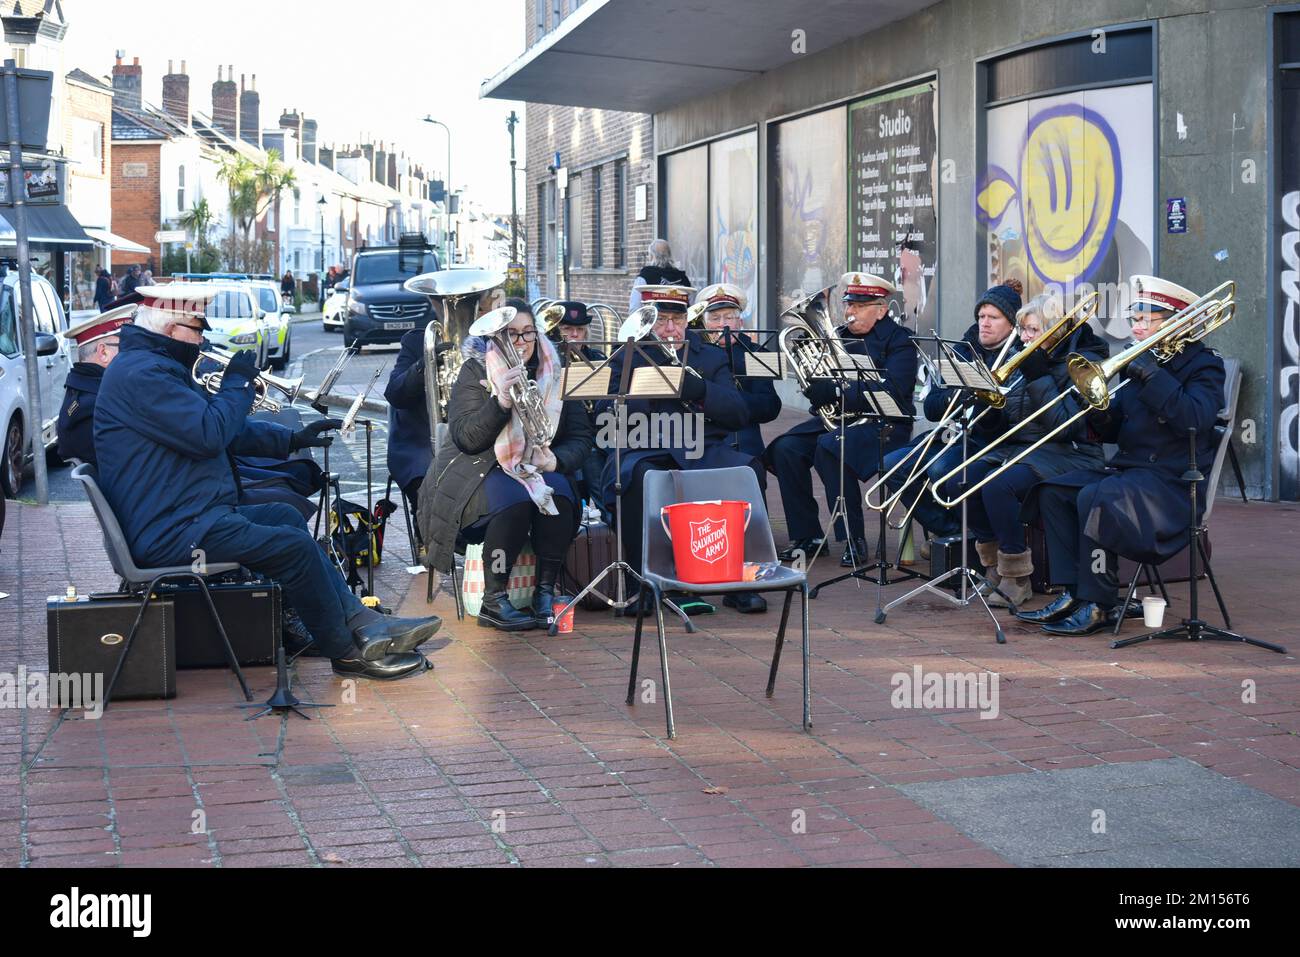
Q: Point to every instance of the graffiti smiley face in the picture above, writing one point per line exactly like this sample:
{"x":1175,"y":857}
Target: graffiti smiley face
{"x":1070,"y":184}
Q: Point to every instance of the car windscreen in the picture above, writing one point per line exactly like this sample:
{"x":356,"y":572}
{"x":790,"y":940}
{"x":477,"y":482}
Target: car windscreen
{"x":391,"y":267}
{"x":268,"y":299}
{"x":230,"y":304}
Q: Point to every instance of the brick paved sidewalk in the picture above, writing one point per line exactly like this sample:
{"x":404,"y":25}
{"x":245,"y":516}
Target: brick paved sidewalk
{"x":520,"y":750}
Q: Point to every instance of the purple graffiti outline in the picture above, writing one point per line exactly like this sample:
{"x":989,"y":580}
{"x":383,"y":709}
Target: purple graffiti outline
{"x":1097,"y":120}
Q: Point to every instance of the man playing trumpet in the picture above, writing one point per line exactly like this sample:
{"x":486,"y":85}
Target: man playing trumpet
{"x":1137,"y":505}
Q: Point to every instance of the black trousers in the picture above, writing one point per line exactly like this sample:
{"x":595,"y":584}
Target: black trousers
{"x":550,"y":535}
{"x":1077,"y":561}
{"x":994,"y":512}
{"x":795,"y":455}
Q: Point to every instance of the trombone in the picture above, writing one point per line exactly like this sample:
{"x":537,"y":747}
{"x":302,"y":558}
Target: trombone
{"x":262,"y":384}
{"x":1088,"y":379}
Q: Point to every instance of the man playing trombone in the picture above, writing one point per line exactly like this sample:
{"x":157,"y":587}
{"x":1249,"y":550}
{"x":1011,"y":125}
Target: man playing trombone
{"x":164,"y":445}
{"x":1137,"y":505}
{"x":871,"y":331}
{"x":988,"y":339}
{"x":1022,"y":445}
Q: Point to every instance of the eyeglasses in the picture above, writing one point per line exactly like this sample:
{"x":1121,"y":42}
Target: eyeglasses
{"x":1147,"y":322}
{"x":527,"y":335}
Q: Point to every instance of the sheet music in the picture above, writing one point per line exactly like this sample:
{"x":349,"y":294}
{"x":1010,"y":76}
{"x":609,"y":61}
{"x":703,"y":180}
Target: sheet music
{"x":764,"y":365}
{"x":855,"y":367}
{"x":656,"y":382}
{"x":887,"y":406}
{"x":586,"y":382}
{"x":967,"y":375}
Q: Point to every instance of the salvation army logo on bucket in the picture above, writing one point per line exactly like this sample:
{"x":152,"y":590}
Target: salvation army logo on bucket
{"x":709,"y":540}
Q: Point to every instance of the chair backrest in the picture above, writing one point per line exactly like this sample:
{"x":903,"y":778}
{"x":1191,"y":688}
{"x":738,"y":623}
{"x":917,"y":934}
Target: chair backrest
{"x":119,"y":555}
{"x":1226,"y":425}
{"x":701,"y":485}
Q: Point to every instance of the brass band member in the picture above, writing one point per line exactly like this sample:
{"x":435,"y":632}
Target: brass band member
{"x":869,"y":331}
{"x":710,"y":394}
{"x":1137,"y":505}
{"x":574,"y":327}
{"x":994,"y":512}
{"x":726,"y":304}
{"x":984,"y":341}
{"x":497,"y":487}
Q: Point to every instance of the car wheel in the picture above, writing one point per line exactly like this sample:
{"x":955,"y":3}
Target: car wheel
{"x":11,"y":470}
{"x":283,"y":361}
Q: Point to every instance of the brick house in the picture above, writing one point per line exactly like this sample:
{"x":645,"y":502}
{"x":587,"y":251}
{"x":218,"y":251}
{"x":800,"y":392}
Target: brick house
{"x":608,"y":210}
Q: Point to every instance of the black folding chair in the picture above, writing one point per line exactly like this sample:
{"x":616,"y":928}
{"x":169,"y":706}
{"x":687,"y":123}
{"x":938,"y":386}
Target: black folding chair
{"x":143,"y":581}
{"x":659,"y":569}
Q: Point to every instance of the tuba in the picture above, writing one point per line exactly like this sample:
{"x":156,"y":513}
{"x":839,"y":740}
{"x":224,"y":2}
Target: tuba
{"x":527,"y":400}
{"x":262,"y":385}
{"x":812,"y":346}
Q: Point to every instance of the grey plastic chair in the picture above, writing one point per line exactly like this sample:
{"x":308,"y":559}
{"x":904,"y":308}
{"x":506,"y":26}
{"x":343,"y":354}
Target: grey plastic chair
{"x":659,"y":570}
{"x":143,"y":581}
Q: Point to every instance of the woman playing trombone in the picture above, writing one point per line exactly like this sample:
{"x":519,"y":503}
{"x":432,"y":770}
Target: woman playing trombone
{"x":1042,"y":375}
{"x":498,"y":482}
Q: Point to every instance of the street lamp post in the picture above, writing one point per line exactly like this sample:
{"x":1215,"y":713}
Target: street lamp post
{"x":321,"y":274}
{"x":446,"y":201}
{"x":511,"y":121}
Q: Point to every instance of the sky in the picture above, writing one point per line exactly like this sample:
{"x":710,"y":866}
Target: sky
{"x":363,"y":70}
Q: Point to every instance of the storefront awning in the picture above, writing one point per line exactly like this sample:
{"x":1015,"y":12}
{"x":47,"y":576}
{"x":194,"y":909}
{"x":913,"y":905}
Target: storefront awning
{"x":46,"y":226}
{"x":114,"y":241}
{"x":623,"y":55}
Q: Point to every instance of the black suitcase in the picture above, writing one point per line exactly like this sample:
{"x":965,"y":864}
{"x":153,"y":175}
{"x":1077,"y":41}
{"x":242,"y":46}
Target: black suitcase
{"x":591,"y":552}
{"x":86,"y":636}
{"x":251,"y":613}
{"x":945,"y":555}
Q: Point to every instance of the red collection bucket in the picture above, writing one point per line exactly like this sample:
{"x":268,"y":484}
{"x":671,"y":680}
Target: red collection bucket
{"x":708,"y":539}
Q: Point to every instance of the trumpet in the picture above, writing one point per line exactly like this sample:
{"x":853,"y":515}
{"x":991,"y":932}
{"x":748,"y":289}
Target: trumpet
{"x":262,"y":385}
{"x":527,"y":400}
{"x":640,"y":325}
{"x":1089,"y":379}
{"x":812,"y":346}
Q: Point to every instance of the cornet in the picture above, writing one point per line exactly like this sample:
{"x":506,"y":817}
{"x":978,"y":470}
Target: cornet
{"x":640,"y":325}
{"x":261,"y":385}
{"x":527,"y":400}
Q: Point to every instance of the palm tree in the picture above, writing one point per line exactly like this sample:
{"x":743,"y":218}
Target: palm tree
{"x":252,"y":187}
{"x":197,"y":220}
{"x":272,"y":178}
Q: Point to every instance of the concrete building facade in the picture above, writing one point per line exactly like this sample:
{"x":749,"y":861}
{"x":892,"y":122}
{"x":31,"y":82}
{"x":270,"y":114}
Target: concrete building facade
{"x":951,"y":145}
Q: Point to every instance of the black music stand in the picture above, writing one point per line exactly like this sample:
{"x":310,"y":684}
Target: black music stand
{"x":350,"y":421}
{"x":587,"y":380}
{"x":968,"y":377}
{"x":1194,"y":628}
{"x":760,"y":362}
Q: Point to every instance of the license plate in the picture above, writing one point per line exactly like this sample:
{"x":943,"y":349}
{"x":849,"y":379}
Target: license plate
{"x":398,"y":325}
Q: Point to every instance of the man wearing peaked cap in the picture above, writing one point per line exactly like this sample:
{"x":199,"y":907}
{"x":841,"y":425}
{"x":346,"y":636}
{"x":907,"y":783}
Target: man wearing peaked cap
{"x":1137,"y":506}
{"x":97,"y":342}
{"x":164,"y":445}
{"x":667,"y":298}
{"x":869,"y":330}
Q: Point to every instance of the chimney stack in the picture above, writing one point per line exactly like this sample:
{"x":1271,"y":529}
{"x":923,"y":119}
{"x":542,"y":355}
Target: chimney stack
{"x":176,"y":94}
{"x":250,"y":113}
{"x":326,"y":157}
{"x":368,"y":151}
{"x":225,"y":104}
{"x":291,"y":123}
{"x":381,"y":165}
{"x":127,"y":82}
{"x":309,"y":128}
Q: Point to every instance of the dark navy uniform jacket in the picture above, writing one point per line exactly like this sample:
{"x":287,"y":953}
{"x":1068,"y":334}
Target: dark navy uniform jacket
{"x":77,"y":414}
{"x":723,"y":407}
{"x":162,"y":443}
{"x":890,"y":347}
{"x":759,"y":395}
{"x":410,"y":448}
{"x":937,"y":399}
{"x":1141,"y":510}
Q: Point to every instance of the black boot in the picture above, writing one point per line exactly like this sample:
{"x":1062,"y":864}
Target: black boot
{"x":548,"y":571}
{"x":497,"y":612}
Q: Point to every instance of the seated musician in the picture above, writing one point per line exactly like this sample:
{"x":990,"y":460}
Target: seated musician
{"x":163,"y":444}
{"x":726,"y":304}
{"x":574,"y":327}
{"x":97,"y":345}
{"x":869,"y":330}
{"x":984,"y":341}
{"x":1042,"y":375}
{"x":498,"y":488}
{"x":709,"y":393}
{"x":1137,"y":505}
{"x":410,"y":450}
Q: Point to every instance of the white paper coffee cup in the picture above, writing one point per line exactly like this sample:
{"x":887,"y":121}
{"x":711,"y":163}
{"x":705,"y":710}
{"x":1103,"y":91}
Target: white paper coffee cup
{"x":1153,"y":611}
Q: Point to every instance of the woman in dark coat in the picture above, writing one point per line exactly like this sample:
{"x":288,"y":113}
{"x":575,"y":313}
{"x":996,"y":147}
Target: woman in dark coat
{"x":490,"y":485}
{"x":994,"y":511}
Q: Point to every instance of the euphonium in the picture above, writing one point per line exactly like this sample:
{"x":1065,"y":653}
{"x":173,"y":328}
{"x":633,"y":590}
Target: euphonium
{"x":525,"y":396}
{"x":812,"y":347}
{"x":261,"y":385}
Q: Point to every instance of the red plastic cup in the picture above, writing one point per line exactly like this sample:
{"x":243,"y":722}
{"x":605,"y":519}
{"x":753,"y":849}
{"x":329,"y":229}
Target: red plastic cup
{"x":563,"y":623}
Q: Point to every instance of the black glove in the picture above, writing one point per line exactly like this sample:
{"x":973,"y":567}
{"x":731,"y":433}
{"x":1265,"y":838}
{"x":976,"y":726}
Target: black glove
{"x":821,"y":392}
{"x":1142,"y":368}
{"x":693,"y":388}
{"x":309,"y":436}
{"x":241,"y":371}
{"x":1036,"y":365}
